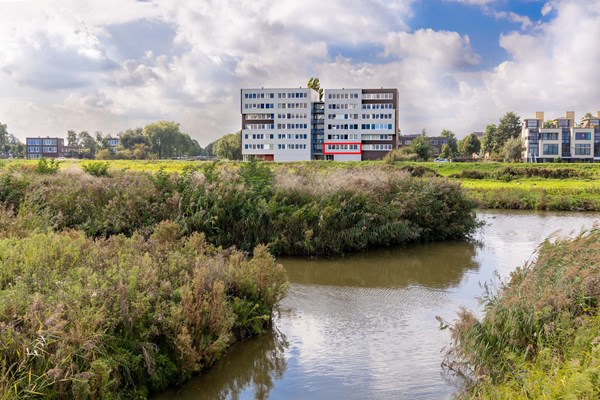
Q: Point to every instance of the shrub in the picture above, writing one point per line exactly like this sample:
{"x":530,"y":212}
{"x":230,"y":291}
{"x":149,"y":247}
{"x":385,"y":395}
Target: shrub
{"x":47,"y":166}
{"x":124,"y":317}
{"x":96,"y":168}
{"x":303,"y":211}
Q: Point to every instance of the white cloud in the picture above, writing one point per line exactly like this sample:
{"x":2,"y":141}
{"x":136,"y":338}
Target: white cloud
{"x":62,"y":68}
{"x":513,"y":17}
{"x":547,"y":8}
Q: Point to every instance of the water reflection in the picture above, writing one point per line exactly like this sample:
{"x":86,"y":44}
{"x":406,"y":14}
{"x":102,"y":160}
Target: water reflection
{"x":250,"y":369}
{"x":363,"y":326}
{"x":435,"y":265}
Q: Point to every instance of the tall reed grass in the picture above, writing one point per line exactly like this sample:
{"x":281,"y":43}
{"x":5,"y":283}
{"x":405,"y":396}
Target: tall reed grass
{"x":540,"y":335}
{"x":123,"y":317}
{"x":305,"y":210}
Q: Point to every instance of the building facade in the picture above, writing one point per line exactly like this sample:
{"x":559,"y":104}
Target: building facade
{"x":561,"y":138}
{"x":295,"y":125}
{"x":46,"y":148}
{"x":436,"y":142}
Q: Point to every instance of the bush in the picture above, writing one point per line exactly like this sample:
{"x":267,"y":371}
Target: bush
{"x":123,"y":317}
{"x":295,"y":212}
{"x":47,"y":166}
{"x":97,"y":168}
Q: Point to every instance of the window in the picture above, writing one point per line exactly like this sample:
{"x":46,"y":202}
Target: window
{"x":582,"y":149}
{"x":377,"y":137}
{"x":583,"y":136}
{"x":377,"y":96}
{"x":549,"y":135}
{"x":377,"y":147}
{"x":531,"y":123}
{"x":551,"y":149}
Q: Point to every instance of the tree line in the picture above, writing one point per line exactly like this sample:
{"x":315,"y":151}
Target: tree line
{"x":498,"y":141}
{"x":162,"y":139}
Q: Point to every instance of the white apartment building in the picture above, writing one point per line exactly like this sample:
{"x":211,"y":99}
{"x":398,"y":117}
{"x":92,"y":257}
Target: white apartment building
{"x":276,"y":123}
{"x":360,"y":124}
{"x":293,"y":125}
{"x":561,"y":138}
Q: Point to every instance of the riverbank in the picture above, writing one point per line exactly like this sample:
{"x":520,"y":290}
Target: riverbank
{"x":548,"y":186}
{"x":118,"y":283}
{"x":540,"y":334}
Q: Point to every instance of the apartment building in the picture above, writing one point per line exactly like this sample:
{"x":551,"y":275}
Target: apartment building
{"x":360,"y":124}
{"x":295,"y":125}
{"x":46,"y":147}
{"x":436,"y":142}
{"x":277,"y":123}
{"x":561,"y":138}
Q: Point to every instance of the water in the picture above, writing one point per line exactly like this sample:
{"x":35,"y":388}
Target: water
{"x":363,"y":326}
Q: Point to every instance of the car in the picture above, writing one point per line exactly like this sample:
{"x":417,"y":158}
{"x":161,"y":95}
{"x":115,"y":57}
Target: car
{"x":441,"y":160}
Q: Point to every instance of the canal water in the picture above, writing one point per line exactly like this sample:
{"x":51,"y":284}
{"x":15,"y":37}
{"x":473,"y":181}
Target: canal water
{"x":363,"y":326}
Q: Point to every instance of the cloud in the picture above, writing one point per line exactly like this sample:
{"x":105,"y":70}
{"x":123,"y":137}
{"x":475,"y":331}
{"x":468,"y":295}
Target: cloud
{"x":80,"y":65}
{"x":512,"y":17}
{"x":440,"y":49}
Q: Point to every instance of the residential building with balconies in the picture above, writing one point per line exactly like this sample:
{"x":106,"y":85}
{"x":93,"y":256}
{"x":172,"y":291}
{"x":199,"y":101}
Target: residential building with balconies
{"x":561,"y":138}
{"x":295,"y":125}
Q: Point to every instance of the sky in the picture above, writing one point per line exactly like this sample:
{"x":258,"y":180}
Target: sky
{"x":458,"y":64}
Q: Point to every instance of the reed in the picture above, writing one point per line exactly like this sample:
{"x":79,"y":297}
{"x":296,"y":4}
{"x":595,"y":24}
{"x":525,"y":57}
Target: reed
{"x":539,"y":337}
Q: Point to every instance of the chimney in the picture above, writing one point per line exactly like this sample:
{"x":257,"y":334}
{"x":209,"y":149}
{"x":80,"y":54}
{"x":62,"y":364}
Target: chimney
{"x":539,"y":115}
{"x":571,"y":115}
{"x":598,"y":114}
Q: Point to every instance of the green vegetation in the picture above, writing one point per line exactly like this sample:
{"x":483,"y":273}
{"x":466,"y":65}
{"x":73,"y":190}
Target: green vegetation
{"x":47,"y":166}
{"x":495,"y":137}
{"x":118,"y":285}
{"x":96,"y":168}
{"x":300,"y":208}
{"x":549,"y":186}
{"x":121,"y":317}
{"x":540,"y":335}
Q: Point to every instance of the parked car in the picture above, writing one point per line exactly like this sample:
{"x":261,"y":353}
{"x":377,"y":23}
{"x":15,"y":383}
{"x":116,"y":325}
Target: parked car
{"x":441,"y":160}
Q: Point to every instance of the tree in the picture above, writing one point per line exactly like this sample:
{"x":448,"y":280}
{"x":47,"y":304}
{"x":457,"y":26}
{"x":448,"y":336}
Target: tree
{"x":469,"y":145}
{"x":162,"y":137}
{"x":229,"y":146}
{"x":72,"y":142}
{"x":446,"y":152}
{"x":452,"y":143}
{"x":3,"y":138}
{"x":513,"y":150}
{"x":421,"y":146}
{"x":313,"y":83}
{"x":489,"y":141}
{"x":129,"y":138}
{"x":509,"y":127}
{"x":86,"y":142}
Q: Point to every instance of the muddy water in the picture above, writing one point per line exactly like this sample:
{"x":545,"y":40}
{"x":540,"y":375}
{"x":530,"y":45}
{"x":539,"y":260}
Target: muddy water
{"x":363,"y":326}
